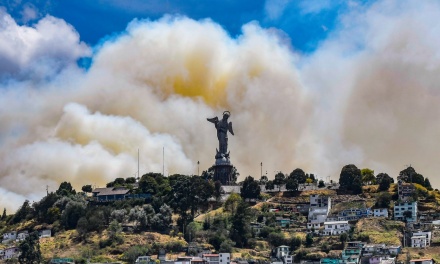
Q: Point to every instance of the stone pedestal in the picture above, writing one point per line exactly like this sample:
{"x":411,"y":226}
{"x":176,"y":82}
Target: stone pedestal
{"x":223,"y":171}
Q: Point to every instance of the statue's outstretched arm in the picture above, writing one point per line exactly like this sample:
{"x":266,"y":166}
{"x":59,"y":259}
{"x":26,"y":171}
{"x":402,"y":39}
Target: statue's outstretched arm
{"x":213,"y":120}
{"x":230,"y":128}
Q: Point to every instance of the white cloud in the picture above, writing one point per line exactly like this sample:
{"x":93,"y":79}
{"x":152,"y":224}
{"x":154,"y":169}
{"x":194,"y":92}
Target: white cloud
{"x":40,"y":51}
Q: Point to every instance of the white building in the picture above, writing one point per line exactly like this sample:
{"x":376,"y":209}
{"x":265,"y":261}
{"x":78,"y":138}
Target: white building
{"x":22,"y":236}
{"x":421,"y":261}
{"x":10,"y":235}
{"x":380,"y":212}
{"x":288,"y":259}
{"x":336,"y":228}
{"x":401,"y":208}
{"x":318,"y":211}
{"x":427,"y":235}
{"x":11,"y":252}
{"x":142,"y":259}
{"x":418,"y":241}
{"x":225,"y":258}
{"x":45,"y":233}
{"x":211,"y":258}
{"x":281,"y":252}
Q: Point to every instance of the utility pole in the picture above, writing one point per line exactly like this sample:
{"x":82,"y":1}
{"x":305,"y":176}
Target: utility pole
{"x":138,"y":166}
{"x":163,"y":161}
{"x":198,"y":168}
{"x":261,"y":172}
{"x":47,"y":189}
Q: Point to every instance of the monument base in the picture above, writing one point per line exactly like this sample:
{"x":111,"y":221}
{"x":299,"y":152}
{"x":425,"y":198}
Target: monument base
{"x":223,"y":171}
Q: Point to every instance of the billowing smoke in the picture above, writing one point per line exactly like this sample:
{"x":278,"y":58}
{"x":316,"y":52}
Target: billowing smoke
{"x":368,"y":95}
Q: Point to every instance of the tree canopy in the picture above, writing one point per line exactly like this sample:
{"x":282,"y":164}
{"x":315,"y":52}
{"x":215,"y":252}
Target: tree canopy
{"x":351,"y":179}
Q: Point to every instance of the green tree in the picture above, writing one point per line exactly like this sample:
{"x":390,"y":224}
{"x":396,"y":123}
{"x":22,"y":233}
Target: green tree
{"x":114,"y":232}
{"x":132,"y":253}
{"x":279,"y":180}
{"x":82,"y":227}
{"x":65,"y":189}
{"x":4,"y":214}
{"x":250,"y":188}
{"x":383,"y":200}
{"x":309,"y":239}
{"x":299,"y":175}
{"x":226,"y":246}
{"x":240,"y":230}
{"x":73,"y":211}
{"x":384,"y":181}
{"x":23,"y":213}
{"x":295,"y":243}
{"x":276,"y":239}
{"x":218,"y":191}
{"x":351,"y":179}
{"x":427,"y":184}
{"x":42,"y":208}
{"x":321,"y":184}
{"x":292,"y":184}
{"x":407,"y":174}
{"x":191,"y":231}
{"x":130,"y":180}
{"x":30,"y":249}
{"x":343,"y":238}
{"x":270,"y":185}
{"x":87,"y":188}
{"x":232,"y":202}
{"x":368,"y":176}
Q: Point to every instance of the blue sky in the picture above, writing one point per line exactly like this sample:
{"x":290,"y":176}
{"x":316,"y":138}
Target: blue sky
{"x":306,"y":22}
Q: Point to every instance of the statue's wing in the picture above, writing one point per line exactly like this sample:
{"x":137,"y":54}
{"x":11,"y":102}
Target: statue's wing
{"x":213,"y":120}
{"x":230,"y":128}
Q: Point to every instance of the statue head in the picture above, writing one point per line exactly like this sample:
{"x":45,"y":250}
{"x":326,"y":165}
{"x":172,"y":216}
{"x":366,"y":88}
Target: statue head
{"x":226,"y":114}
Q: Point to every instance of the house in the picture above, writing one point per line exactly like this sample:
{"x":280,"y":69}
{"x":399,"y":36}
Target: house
{"x":318,"y":211}
{"x":12,"y":235}
{"x":427,"y":235}
{"x":405,"y":190}
{"x":422,"y":261}
{"x":11,"y":252}
{"x":45,"y":233}
{"x":355,"y":244}
{"x":381,"y":260}
{"x":394,"y":250}
{"x":281,"y":252}
{"x":288,"y":259}
{"x":110,"y":194}
{"x":22,"y":236}
{"x":354,"y":214}
{"x":143,"y":259}
{"x":282,"y":222}
{"x":335,"y":228}
{"x":211,"y":258}
{"x":401,"y":208}
{"x":380,"y":212}
{"x":329,"y":261}
{"x":225,"y":258}
{"x":351,"y":255}
{"x":419,"y":241}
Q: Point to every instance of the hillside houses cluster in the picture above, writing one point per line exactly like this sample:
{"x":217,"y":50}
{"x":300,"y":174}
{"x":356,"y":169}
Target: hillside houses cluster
{"x":12,"y":238}
{"x":360,"y":252}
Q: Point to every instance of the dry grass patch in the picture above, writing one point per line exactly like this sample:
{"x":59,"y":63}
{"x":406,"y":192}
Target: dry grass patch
{"x":212,"y":213}
{"x":380,"y":230}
